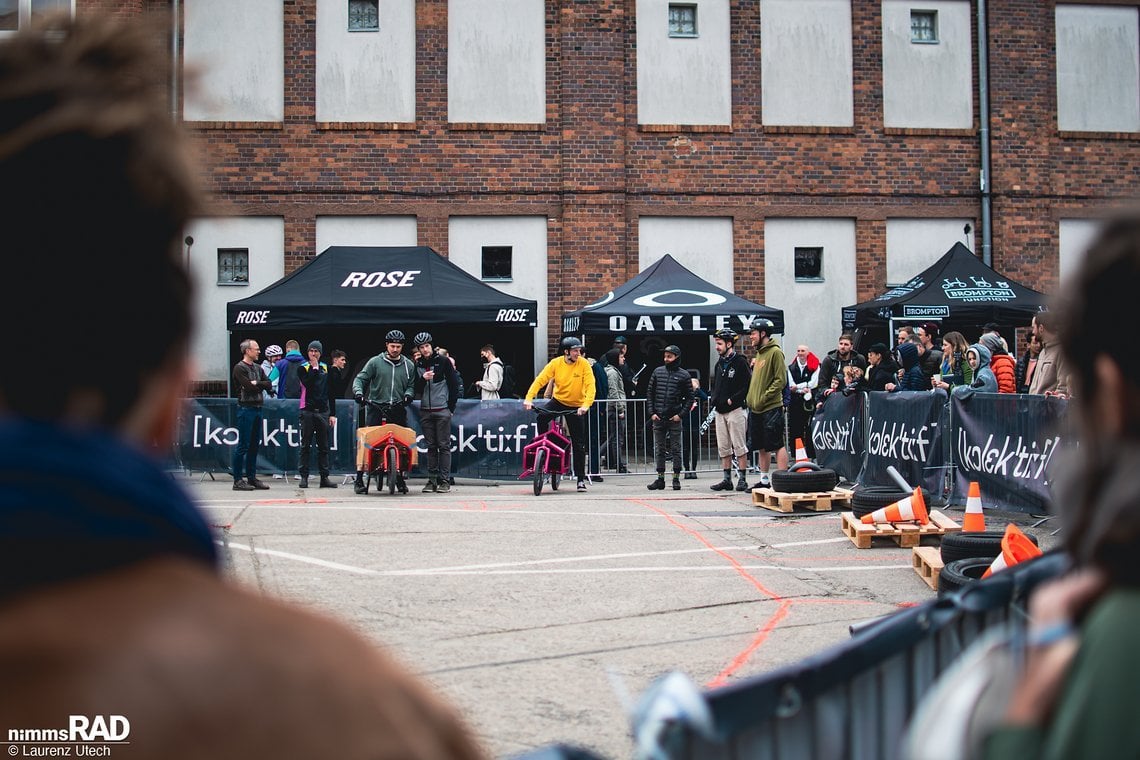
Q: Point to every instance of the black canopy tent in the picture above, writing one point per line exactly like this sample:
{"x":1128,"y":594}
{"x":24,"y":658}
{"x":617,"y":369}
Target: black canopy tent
{"x":350,"y":296}
{"x":958,"y":290}
{"x":666,"y":303}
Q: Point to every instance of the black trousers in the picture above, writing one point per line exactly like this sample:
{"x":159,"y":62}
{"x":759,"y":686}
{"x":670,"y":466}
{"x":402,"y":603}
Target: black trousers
{"x":314,"y":425}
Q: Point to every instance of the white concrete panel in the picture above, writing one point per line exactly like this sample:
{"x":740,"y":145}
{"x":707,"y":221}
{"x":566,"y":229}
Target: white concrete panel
{"x":928,"y":86}
{"x":684,"y":80}
{"x":237,"y":48}
{"x":265,"y":238}
{"x":366,"y":76}
{"x":365,"y":230}
{"x":1098,"y":68}
{"x":812,"y":310}
{"x":1073,"y":238}
{"x":805,"y":63}
{"x":703,"y":244}
{"x":915,"y":244}
{"x":496,"y":61}
{"x":466,"y":236}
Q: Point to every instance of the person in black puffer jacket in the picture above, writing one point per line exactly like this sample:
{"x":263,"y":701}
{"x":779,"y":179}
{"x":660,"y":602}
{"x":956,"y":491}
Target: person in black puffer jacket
{"x":668,"y":398}
{"x":881,"y":368}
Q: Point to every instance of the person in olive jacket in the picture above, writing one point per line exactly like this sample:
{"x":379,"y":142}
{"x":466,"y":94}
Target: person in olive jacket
{"x":668,"y":398}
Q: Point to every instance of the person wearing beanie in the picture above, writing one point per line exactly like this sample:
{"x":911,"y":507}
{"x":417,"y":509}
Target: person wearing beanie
{"x":318,"y":414}
{"x":614,"y":434}
{"x":1000,"y":362}
{"x":668,"y":398}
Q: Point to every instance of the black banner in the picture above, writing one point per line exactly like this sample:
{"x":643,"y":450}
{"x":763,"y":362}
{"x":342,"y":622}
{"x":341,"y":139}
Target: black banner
{"x":906,"y":430}
{"x":487,"y":437}
{"x":1006,"y":443}
{"x":838,"y":434}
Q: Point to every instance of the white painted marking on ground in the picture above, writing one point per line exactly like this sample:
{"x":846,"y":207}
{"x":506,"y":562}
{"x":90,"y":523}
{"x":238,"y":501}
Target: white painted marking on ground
{"x":302,"y":558}
{"x":839,"y":540}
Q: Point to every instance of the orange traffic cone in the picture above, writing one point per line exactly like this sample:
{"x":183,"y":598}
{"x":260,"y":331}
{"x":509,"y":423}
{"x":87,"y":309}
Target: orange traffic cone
{"x":975,"y":519}
{"x":906,"y":510}
{"x":801,"y":452}
{"x":1015,"y":547}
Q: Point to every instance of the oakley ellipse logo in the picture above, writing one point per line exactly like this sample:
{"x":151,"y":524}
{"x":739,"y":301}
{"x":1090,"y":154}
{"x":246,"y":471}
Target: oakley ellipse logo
{"x":700,"y":298}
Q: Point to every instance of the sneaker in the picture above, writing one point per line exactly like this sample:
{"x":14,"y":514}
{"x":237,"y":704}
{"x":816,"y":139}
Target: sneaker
{"x":676,"y":483}
{"x":596,"y":478}
{"x":444,"y":486}
{"x":258,"y":485}
{"x":241,"y":485}
{"x":401,"y":484}
{"x":657,"y":485}
{"x":724,"y":485}
{"x":690,"y":476}
{"x":304,"y":481}
{"x":581,"y":485}
{"x":742,"y":485}
{"x":623,"y":470}
{"x":765,"y":481}
{"x":326,"y":483}
{"x":358,"y":486}
{"x":429,"y":487}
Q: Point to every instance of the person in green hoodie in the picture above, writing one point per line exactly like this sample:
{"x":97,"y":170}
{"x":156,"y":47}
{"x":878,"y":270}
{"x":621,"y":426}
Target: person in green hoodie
{"x":765,"y":399}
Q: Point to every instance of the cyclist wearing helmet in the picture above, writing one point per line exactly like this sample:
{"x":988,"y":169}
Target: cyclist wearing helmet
{"x":730,"y":385}
{"x":765,"y":400}
{"x":573,"y":389}
{"x":437,"y":389}
{"x":273,"y":354}
{"x":388,"y":378}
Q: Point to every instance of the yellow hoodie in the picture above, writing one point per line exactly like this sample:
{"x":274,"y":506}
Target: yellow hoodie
{"x":573,"y":383}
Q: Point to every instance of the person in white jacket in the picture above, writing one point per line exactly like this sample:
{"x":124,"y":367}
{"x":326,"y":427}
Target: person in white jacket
{"x":492,"y":374}
{"x":803,"y":378}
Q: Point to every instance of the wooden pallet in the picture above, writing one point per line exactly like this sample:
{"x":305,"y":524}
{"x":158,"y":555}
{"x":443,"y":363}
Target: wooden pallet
{"x":927,"y":562}
{"x":817,"y":501}
{"x":905,"y":535}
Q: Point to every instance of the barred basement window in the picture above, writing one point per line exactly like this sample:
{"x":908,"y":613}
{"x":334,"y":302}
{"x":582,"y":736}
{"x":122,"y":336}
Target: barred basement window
{"x":497,"y":262}
{"x":682,"y":20}
{"x":233,"y":266}
{"x":809,"y":264}
{"x":924,"y":27}
{"x":363,"y":15}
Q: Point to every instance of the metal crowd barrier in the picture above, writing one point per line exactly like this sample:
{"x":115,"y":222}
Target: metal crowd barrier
{"x":618,"y":444}
{"x":850,"y":702}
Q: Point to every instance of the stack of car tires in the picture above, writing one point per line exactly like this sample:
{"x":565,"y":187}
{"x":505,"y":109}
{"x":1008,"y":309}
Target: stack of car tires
{"x":967,"y":556}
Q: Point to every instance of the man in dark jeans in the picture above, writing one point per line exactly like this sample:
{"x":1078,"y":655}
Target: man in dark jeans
{"x":250,"y":380}
{"x":668,"y":398}
{"x":318,"y":409}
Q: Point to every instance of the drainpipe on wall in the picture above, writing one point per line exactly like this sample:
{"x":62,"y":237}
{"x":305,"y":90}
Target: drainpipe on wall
{"x":984,"y":133}
{"x":174,"y":68}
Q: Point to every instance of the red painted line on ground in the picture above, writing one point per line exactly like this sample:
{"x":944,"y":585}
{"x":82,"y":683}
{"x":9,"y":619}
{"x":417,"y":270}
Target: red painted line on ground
{"x":762,"y":636}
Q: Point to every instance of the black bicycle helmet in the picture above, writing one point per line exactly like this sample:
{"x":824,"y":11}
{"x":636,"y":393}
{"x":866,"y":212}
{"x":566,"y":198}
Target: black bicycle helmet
{"x":765,"y":326}
{"x":725,"y":334}
{"x":394,"y":336}
{"x":674,"y":349}
{"x":422,"y":338}
{"x":569,"y":343}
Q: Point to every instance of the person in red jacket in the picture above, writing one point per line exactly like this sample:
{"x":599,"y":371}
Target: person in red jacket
{"x":1001,"y":363}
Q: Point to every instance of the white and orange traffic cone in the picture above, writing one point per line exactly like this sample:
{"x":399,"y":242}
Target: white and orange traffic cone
{"x":1015,"y":547}
{"x":910,"y":509}
{"x":801,"y":452}
{"x":975,"y":519}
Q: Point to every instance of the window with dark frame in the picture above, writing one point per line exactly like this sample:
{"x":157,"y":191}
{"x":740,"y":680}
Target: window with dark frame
{"x":924,"y":27}
{"x":363,"y":15}
{"x":682,"y":20}
{"x":809,"y":264}
{"x":497,"y":262}
{"x":233,"y":266}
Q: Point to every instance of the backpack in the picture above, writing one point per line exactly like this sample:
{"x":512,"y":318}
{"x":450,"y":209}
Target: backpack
{"x":291,"y":383}
{"x":509,"y":388}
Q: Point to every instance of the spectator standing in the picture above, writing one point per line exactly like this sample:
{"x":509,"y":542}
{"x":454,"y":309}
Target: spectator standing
{"x":927,"y":332}
{"x":628,"y":380}
{"x":730,"y":387}
{"x":268,"y":365}
{"x":803,"y":379}
{"x":594,"y":423}
{"x":339,"y":377}
{"x":573,"y":388}
{"x":318,"y":411}
{"x":1051,"y":374}
{"x":389,"y":378}
{"x":250,"y":381}
{"x":691,"y":424}
{"x":1000,"y":362}
{"x":1027,"y":363}
{"x":668,"y":399}
{"x":437,"y":388}
{"x":113,"y":598}
{"x":831,"y":368}
{"x":288,"y":371}
{"x":765,"y":400}
{"x":955,"y":370}
{"x":881,"y":368}
{"x":492,"y":374}
{"x":615,"y":411}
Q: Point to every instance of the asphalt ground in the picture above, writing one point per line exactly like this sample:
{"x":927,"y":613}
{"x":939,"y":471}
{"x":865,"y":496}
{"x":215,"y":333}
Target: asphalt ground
{"x":533,"y":614}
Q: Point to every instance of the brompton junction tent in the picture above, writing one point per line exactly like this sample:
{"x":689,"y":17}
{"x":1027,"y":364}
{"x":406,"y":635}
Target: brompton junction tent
{"x":957,"y":290}
{"x":349,"y":296}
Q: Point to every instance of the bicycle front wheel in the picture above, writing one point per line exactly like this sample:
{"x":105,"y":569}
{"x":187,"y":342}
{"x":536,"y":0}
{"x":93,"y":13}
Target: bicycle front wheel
{"x":392,"y":463}
{"x":539,"y":469}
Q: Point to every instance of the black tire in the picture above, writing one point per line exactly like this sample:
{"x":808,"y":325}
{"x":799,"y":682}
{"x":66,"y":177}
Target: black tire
{"x":804,"y":482}
{"x":983,"y":544}
{"x":869,"y":498}
{"x":392,"y":462}
{"x":539,"y":466}
{"x":555,"y":479}
{"x":961,"y":573}
{"x":804,"y":467}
